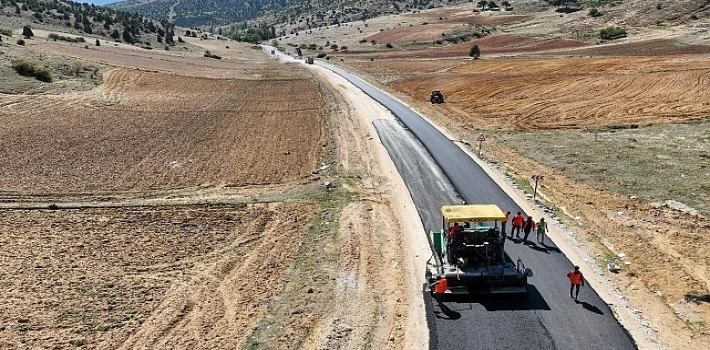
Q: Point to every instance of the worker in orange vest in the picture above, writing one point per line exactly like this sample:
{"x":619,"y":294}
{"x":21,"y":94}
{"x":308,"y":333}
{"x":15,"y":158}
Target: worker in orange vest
{"x":517,"y":225}
{"x":440,"y":287}
{"x":575,"y":279}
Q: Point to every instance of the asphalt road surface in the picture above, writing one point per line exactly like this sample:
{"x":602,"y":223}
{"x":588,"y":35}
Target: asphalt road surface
{"x":437,"y":173}
{"x":547,"y":318}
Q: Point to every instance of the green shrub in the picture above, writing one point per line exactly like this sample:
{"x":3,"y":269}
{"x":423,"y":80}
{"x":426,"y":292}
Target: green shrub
{"x":610,"y":33}
{"x":44,"y":74}
{"x":211,"y":55}
{"x":321,"y":55}
{"x":31,"y":69}
{"x":27,"y":32}
{"x":389,"y":46}
{"x":24,"y":67}
{"x":363,"y":41}
{"x":20,"y":42}
{"x":475,"y":52}
{"x":594,"y":12}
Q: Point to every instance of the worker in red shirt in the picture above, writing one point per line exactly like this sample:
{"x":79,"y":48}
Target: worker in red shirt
{"x":517,"y":225}
{"x":575,"y":279}
{"x":528,"y":226}
{"x":454,"y":230}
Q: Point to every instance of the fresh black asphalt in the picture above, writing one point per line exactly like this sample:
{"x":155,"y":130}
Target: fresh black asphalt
{"x":547,"y":318}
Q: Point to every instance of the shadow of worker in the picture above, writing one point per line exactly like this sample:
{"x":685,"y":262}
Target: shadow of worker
{"x":447,"y":313}
{"x":590,"y":307}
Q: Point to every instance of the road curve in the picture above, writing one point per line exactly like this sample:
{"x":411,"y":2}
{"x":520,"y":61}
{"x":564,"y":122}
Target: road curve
{"x":548,"y":318}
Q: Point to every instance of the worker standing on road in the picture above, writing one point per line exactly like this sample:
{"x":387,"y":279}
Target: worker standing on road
{"x":575,"y":279}
{"x":440,"y":287}
{"x":517,"y":224}
{"x":503,"y":224}
{"x":528,"y":226}
{"x":541,"y":230}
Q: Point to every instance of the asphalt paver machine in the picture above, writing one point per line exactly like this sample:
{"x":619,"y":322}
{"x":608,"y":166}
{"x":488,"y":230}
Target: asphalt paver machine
{"x":472,"y":257}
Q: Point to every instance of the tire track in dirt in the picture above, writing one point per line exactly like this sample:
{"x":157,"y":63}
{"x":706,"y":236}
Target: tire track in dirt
{"x":224,"y":295}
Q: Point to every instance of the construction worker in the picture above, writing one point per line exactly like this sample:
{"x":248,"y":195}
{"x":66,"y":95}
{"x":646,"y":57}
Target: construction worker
{"x":541,"y":230}
{"x":575,"y":279}
{"x":517,"y":225}
{"x":453,"y":230}
{"x":502,"y":224}
{"x":528,"y":226}
{"x":440,"y":287}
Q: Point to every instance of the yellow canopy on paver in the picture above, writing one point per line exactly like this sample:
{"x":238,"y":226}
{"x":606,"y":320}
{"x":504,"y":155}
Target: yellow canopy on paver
{"x":472,"y":213}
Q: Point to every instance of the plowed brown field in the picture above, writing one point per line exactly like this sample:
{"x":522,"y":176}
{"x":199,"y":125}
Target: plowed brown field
{"x":153,"y":277}
{"x":569,"y":93}
{"x":154,"y":131}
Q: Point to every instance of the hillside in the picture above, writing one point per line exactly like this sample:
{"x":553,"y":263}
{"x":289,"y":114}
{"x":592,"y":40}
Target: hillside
{"x":310,"y":13}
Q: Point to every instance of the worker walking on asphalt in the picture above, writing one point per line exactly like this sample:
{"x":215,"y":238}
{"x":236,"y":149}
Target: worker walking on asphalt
{"x":528,"y":226}
{"x":575,"y":279}
{"x":517,"y":224}
{"x":541,"y":230}
{"x":503,"y":224}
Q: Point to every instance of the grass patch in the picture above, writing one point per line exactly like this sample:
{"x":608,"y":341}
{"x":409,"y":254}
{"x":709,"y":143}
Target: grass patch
{"x":600,"y":3}
{"x":655,"y":162}
{"x":32,"y":69}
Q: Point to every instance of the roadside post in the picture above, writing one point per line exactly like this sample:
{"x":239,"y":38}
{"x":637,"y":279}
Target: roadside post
{"x":536,"y":178}
{"x":480,"y":140}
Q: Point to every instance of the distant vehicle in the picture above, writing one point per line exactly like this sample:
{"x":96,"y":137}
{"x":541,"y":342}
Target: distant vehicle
{"x":309,"y":60}
{"x":436,"y":96}
{"x":471,"y":256}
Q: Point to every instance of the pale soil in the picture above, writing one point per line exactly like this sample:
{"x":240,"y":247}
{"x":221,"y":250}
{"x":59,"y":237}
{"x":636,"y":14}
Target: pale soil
{"x":401,"y":322}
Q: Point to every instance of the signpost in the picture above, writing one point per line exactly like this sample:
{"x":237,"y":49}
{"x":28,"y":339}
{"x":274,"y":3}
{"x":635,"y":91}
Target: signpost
{"x":480,"y":140}
{"x":536,"y":178}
